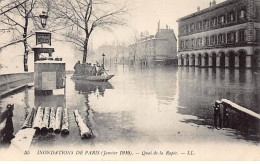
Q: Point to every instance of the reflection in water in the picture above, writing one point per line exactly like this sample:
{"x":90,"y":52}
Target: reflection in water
{"x":87,"y":88}
{"x":50,"y":101}
{"x":150,"y":106}
{"x":199,"y":94}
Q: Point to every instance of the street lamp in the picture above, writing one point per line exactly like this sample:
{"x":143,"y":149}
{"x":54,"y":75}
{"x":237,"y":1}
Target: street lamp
{"x":43,"y":18}
{"x":103,"y":60}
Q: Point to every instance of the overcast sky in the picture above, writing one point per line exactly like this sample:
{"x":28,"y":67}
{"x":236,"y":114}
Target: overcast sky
{"x":144,"y":17}
{"x":146,"y":14}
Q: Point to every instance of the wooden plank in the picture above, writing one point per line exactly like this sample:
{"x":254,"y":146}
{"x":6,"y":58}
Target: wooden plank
{"x":29,"y":119}
{"x":58,"y":120}
{"x":52,"y":120}
{"x":240,"y":108}
{"x":84,"y":130}
{"x":65,"y":122}
{"x":45,"y":122}
{"x":37,"y":124}
{"x":22,"y":140}
{"x":2,"y":125}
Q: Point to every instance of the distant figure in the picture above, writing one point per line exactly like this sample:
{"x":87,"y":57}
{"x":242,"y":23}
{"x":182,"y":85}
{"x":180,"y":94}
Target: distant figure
{"x":76,"y":67}
{"x":100,"y":70}
{"x":94,"y":70}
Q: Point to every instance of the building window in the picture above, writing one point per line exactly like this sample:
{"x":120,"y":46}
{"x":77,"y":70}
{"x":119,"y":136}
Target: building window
{"x":231,"y":17}
{"x":231,"y":37}
{"x":200,"y":25}
{"x":200,"y":42}
{"x":207,"y":41}
{"x":186,"y":29}
{"x":242,"y":14}
{"x":205,"y":24}
{"x":222,"y":19}
{"x":241,"y":35}
{"x":192,"y":27}
{"x":213,"y":40}
{"x":192,"y":43}
{"x":182,"y":45}
{"x":187,"y":44}
{"x":221,"y":38}
{"x":214,"y":22}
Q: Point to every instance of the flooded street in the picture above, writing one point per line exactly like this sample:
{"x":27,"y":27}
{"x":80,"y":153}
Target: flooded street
{"x":146,"y":106}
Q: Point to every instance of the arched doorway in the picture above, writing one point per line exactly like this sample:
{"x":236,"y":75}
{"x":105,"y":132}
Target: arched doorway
{"x":206,"y":59}
{"x":231,"y":55}
{"x":182,"y":60}
{"x":214,"y":59}
{"x":199,"y":60}
{"x":192,"y":60}
{"x":187,"y":59}
{"x":256,"y":59}
{"x":221,"y":59}
{"x":242,"y":58}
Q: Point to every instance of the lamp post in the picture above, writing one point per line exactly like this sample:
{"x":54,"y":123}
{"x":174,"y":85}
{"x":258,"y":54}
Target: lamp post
{"x":103,"y":60}
{"x":43,"y":18}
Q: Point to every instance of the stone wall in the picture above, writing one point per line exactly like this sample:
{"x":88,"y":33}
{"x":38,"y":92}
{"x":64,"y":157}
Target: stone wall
{"x":11,"y":78}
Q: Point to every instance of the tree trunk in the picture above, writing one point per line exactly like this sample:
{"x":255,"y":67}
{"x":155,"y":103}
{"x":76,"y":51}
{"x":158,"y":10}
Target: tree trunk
{"x":58,"y":120}
{"x":37,"y":124}
{"x":29,"y":119}
{"x":52,"y":124}
{"x":85,"y":52}
{"x":65,"y":122}
{"x":26,"y":48}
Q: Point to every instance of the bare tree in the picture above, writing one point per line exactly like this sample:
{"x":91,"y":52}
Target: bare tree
{"x":84,"y":16}
{"x":8,"y":6}
{"x":18,"y":21}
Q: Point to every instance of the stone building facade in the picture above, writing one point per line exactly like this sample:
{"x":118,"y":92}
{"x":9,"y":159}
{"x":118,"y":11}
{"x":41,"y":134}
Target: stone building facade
{"x":224,"y":35}
{"x":150,"y":50}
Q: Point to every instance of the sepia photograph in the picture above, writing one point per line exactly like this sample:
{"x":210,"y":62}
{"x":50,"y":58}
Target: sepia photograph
{"x":129,"y":80}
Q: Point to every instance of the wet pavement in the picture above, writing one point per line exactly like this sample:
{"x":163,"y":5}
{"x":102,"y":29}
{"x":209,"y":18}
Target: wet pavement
{"x":152,"y":105}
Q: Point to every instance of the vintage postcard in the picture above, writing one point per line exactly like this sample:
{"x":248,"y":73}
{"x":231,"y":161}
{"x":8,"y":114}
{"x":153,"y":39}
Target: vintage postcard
{"x":138,"y":80}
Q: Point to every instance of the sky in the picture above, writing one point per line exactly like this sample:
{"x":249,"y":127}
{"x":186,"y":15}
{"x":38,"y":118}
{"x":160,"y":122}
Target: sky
{"x":145,"y":15}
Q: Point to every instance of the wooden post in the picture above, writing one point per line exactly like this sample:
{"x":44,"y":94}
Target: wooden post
{"x":58,"y":120}
{"x":29,"y":119}
{"x":52,"y":124}
{"x":65,"y":122}
{"x":45,"y":122}
{"x":37,"y":124}
{"x":84,"y":130}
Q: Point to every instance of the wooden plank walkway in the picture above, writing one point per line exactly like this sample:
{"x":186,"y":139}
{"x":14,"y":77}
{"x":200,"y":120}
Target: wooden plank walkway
{"x":22,"y":140}
{"x":240,"y":108}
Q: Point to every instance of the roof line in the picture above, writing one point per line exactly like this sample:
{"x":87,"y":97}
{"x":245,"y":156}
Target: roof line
{"x":207,"y":9}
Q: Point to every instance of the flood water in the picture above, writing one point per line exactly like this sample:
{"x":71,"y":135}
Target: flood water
{"x":151,"y":105}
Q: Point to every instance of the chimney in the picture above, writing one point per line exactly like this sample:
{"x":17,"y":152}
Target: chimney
{"x":210,"y":4}
{"x":166,"y":27}
{"x":198,"y":8}
{"x":214,"y":3}
{"x":159,"y":25}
